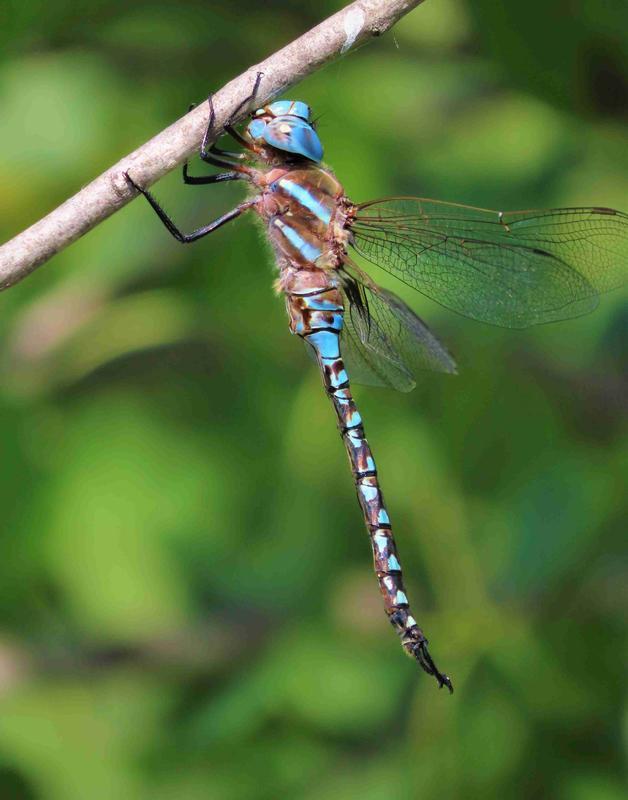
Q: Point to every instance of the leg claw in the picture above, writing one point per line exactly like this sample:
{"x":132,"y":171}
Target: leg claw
{"x":130,"y":181}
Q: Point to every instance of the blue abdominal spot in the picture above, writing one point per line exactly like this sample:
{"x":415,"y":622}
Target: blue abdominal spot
{"x":325,"y":343}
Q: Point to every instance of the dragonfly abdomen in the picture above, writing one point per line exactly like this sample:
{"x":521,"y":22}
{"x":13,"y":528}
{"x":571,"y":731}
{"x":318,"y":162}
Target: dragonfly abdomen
{"x":317,"y":315}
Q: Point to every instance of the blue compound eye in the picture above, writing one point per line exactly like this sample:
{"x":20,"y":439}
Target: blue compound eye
{"x":294,"y":135}
{"x":302,"y":110}
{"x":256,"y":128}
{"x":293,"y":108}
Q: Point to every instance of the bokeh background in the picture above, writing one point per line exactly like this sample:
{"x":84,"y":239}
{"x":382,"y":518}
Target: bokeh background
{"x":187,"y":606}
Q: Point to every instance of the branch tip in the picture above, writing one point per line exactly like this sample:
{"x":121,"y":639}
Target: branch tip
{"x":356,"y":23}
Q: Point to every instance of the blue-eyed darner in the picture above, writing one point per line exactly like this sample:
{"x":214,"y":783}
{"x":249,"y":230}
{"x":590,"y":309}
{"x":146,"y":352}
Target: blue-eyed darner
{"x":512,"y":269}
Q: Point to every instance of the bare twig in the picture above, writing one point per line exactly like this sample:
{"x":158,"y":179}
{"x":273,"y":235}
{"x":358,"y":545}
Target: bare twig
{"x":345,"y":30}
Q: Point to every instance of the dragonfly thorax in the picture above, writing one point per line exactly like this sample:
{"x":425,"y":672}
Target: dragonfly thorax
{"x":286,"y":126}
{"x":304,"y":212}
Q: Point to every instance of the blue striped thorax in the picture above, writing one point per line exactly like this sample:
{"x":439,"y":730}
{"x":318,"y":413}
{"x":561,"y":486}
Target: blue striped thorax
{"x":286,"y":125}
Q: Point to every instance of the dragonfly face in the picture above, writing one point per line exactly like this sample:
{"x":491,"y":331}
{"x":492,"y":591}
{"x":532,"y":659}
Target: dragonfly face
{"x":512,"y":269}
{"x":286,"y":126}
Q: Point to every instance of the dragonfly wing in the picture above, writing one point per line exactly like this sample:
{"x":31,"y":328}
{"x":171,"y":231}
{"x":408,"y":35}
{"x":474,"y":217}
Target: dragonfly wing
{"x":370,"y":368}
{"x":512,"y":269}
{"x":384,"y":343}
{"x":372,"y":362}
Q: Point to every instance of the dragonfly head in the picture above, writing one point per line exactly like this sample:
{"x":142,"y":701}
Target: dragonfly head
{"x":286,"y":125}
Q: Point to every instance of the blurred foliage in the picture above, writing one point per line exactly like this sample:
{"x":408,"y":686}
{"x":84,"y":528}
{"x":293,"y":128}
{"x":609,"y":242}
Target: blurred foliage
{"x":186,"y":597}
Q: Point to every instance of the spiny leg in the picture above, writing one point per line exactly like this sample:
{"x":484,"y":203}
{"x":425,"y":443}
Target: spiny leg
{"x":208,"y":131}
{"x":230,"y":122}
{"x":186,"y":238}
{"x":247,"y":100}
{"x":213,"y":154}
{"x":192,"y":180}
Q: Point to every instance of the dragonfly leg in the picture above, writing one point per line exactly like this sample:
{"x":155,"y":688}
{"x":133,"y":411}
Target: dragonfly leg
{"x":213,"y":149}
{"x":222,"y":158}
{"x":229,"y":126}
{"x":186,"y":238}
{"x":226,"y":154}
{"x":213,"y":154}
{"x":192,"y":180}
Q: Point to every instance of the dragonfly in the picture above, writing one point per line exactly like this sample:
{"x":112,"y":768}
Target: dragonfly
{"x":512,"y":269}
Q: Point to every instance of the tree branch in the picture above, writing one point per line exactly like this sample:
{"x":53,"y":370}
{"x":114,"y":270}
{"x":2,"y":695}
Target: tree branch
{"x":347,"y":29}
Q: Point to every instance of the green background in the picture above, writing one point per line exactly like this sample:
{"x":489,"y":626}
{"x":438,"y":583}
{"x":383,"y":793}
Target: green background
{"x":186,"y":594}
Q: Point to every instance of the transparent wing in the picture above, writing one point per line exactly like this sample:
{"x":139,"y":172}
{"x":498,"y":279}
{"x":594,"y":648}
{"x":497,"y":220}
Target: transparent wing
{"x":384,"y":343}
{"x":512,"y":269}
